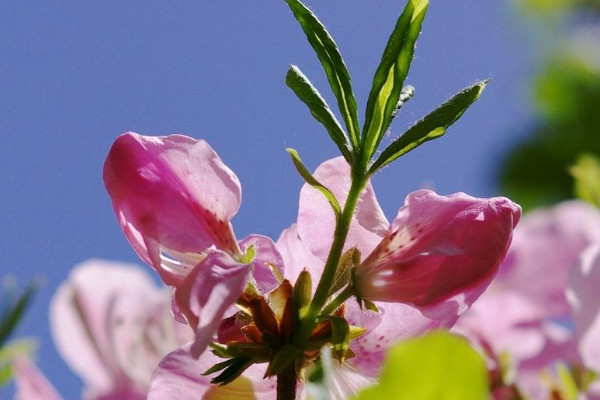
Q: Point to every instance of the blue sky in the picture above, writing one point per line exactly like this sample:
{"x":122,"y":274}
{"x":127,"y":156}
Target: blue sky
{"x":75,"y":74}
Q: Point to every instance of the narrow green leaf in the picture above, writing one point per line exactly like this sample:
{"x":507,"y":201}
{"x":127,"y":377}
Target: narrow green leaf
{"x":432,"y":126}
{"x":333,"y":64}
{"x":437,"y":366}
{"x":307,"y":176}
{"x":310,"y":96}
{"x":11,"y":317}
{"x":391,"y":73}
{"x":233,"y":371}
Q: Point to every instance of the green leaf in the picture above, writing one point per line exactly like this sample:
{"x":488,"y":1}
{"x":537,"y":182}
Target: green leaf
{"x":234,"y":368}
{"x":437,"y":366}
{"x":348,"y":261}
{"x":333,"y":64}
{"x":307,"y":176}
{"x":587,"y":178}
{"x":306,"y":92}
{"x":6,"y":374}
{"x":568,"y":386}
{"x":13,"y":314}
{"x":391,"y":73}
{"x":432,"y":126}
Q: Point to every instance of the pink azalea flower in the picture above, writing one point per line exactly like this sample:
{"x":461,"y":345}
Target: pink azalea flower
{"x":112,"y":335}
{"x":306,"y":245}
{"x":439,"y":254}
{"x":174,"y":199}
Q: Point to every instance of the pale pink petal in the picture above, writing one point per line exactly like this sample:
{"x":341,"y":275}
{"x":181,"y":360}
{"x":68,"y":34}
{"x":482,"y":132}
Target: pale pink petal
{"x":297,"y":257}
{"x":545,"y":246}
{"x":173,"y":190}
{"x":82,"y":323}
{"x":503,"y":321}
{"x":208,"y":292}
{"x":316,"y":220}
{"x":31,"y":384}
{"x":267,"y":264}
{"x":584,"y":296}
{"x":393,"y":323}
{"x":441,"y":254}
{"x":179,"y":376}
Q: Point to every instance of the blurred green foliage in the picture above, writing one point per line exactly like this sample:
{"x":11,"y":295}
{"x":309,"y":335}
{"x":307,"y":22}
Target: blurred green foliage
{"x":546,"y":6}
{"x":437,"y":366}
{"x":587,"y":179}
{"x":12,"y":308}
{"x":567,"y":93}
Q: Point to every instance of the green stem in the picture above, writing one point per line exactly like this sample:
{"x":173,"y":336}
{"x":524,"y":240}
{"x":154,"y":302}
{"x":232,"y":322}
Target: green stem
{"x":339,"y":239}
{"x":342,"y":297}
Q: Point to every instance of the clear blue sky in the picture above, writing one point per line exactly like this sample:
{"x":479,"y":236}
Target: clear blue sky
{"x":75,"y":74}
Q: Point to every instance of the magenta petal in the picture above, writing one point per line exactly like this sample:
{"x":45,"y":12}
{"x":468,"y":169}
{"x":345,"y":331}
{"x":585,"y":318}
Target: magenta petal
{"x":584,"y":295}
{"x":173,"y":190}
{"x":207,"y":292}
{"x":31,"y":384}
{"x":441,"y":254}
{"x":267,"y":263}
{"x":316,"y":220}
{"x":179,"y":376}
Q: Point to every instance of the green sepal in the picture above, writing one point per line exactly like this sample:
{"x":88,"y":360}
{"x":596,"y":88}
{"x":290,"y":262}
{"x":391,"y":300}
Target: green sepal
{"x":391,"y":73}
{"x":369,"y":305}
{"x":348,"y":261}
{"x":310,"y":96}
{"x":234,"y":368}
{"x":340,"y":336}
{"x":355,"y":332}
{"x":431,"y":127}
{"x":307,"y":176}
{"x":13,"y":309}
{"x":301,"y":296}
{"x":219,"y":366}
{"x":286,"y":355}
{"x":333,"y":64}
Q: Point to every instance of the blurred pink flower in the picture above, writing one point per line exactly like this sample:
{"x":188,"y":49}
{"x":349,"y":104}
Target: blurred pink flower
{"x":525,"y":314}
{"x":112,"y":326}
{"x":174,"y":199}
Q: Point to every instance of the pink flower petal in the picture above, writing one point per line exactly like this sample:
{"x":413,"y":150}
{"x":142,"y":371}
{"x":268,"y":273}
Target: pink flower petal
{"x":207,"y":292}
{"x":267,"y":262}
{"x":584,"y":295}
{"x":393,"y":323}
{"x":316,"y":220}
{"x":297,"y":257}
{"x":548,"y":240}
{"x":441,"y":254}
{"x":171,"y":190}
{"x":31,"y":384}
{"x":82,"y":320}
{"x":179,"y":376}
